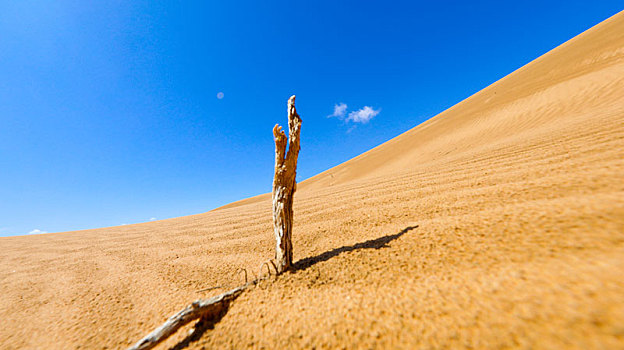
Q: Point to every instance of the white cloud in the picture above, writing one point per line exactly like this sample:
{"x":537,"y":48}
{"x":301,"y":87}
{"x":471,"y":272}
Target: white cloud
{"x":152,"y":219}
{"x":340,"y":110}
{"x":363,"y":115}
{"x":36,"y":232}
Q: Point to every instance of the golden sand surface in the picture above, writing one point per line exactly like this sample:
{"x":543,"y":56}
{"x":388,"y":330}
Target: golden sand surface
{"x":497,"y":224}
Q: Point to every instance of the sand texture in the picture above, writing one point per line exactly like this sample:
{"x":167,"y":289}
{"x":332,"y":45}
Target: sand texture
{"x":497,"y":224}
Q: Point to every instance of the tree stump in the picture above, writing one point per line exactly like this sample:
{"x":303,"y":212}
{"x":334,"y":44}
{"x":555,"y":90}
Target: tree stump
{"x":284,"y":186}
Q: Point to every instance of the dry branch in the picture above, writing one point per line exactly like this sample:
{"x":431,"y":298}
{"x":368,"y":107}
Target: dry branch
{"x":284,"y":186}
{"x":202,"y":309}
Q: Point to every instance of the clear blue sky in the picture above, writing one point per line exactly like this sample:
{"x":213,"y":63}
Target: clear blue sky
{"x":109,"y":110}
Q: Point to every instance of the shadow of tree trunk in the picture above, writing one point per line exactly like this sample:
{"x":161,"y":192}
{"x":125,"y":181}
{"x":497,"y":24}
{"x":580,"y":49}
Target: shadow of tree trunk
{"x":376,"y":243}
{"x":205,"y":324}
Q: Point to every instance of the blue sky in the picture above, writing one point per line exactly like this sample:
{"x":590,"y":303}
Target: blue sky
{"x":110,"y":111}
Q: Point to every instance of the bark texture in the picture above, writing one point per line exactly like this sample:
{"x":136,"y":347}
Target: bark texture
{"x":284,"y":186}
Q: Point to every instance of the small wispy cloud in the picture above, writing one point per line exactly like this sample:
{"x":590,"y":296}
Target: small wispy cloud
{"x":340,"y":110}
{"x":363,"y":115}
{"x":36,"y":232}
{"x":152,"y":219}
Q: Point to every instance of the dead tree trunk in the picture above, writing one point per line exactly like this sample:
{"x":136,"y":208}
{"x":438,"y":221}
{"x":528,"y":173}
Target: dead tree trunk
{"x":284,"y":186}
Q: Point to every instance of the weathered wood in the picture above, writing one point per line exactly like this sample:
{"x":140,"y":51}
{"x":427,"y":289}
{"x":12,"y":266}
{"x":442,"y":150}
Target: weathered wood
{"x":284,"y":186}
{"x":199,"y":309}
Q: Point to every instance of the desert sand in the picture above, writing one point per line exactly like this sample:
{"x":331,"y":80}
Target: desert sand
{"x":499,"y":223}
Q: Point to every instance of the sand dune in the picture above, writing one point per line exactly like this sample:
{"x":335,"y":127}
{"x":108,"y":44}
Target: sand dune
{"x":498,"y":223}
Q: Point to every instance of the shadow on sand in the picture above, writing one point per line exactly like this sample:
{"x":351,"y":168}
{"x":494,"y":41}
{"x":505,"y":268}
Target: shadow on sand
{"x":203,"y":325}
{"x":376,"y":243}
